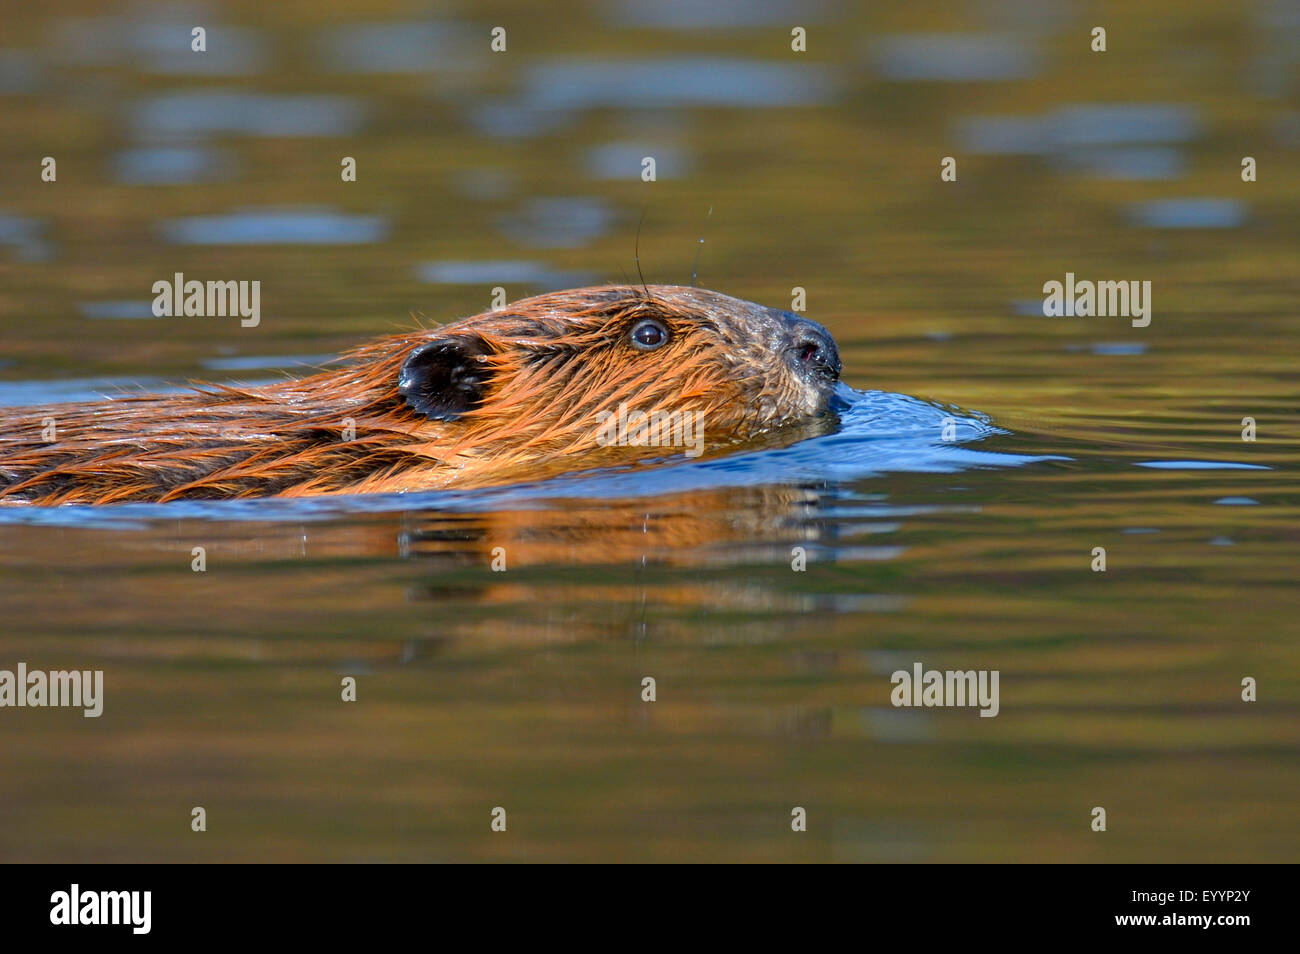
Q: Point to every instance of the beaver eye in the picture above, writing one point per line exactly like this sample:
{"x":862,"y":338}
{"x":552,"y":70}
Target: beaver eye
{"x":648,"y":334}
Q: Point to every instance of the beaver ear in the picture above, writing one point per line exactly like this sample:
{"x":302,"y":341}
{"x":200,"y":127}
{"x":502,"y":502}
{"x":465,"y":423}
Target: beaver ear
{"x":444,"y":379}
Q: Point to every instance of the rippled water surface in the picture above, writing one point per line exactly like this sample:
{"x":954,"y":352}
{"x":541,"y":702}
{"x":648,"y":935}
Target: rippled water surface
{"x":948,"y":510}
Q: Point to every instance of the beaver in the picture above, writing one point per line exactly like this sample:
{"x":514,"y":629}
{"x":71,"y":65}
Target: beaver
{"x":503,"y":396}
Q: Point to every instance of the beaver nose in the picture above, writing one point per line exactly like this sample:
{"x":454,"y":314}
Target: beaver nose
{"x":814,"y":349}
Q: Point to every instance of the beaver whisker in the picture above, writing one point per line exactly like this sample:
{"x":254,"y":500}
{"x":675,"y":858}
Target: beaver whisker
{"x":636,"y":252}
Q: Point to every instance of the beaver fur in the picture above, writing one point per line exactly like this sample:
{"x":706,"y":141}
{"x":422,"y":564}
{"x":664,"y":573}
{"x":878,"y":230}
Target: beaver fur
{"x":503,"y":396}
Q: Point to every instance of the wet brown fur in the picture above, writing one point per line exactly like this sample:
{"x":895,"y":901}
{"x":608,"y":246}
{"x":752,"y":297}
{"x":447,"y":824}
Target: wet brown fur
{"x":552,"y":363}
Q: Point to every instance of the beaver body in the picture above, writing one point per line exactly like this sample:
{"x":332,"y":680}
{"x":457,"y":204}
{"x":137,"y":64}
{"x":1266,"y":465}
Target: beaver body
{"x":507,"y":395}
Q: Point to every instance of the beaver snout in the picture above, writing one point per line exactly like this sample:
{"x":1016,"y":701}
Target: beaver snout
{"x":813,"y":350}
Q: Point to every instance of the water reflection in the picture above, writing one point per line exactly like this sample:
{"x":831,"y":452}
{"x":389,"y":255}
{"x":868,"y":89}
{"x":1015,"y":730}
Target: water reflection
{"x":1128,"y":163}
{"x":623,"y":160}
{"x":171,"y":165}
{"x":1189,"y":213}
{"x":25,"y":237}
{"x":558,"y":222}
{"x":159,"y":40}
{"x":536,"y":275}
{"x":398,"y":47}
{"x":20,"y":393}
{"x":132,"y":310}
{"x":675,"y":82}
{"x":954,"y":57}
{"x":1108,"y":141}
{"x":20,"y":72}
{"x":720,"y":14}
{"x":277,"y":226}
{"x":206,"y":112}
{"x":301,"y":363}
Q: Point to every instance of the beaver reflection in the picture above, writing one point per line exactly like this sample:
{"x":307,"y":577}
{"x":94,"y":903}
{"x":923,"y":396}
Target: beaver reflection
{"x":521,"y":393}
{"x":648,"y":552}
{"x":708,"y":527}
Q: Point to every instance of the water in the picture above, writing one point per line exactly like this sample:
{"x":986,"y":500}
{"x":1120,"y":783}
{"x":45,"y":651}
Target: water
{"x":948,"y":510}
{"x":276,"y":226}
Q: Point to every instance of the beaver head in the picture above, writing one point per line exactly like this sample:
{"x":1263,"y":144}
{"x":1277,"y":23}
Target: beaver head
{"x":526,"y":391}
{"x":551,"y":366}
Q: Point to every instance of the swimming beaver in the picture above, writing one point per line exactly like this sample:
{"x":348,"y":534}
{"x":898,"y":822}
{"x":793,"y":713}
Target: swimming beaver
{"x":499,"y":397}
